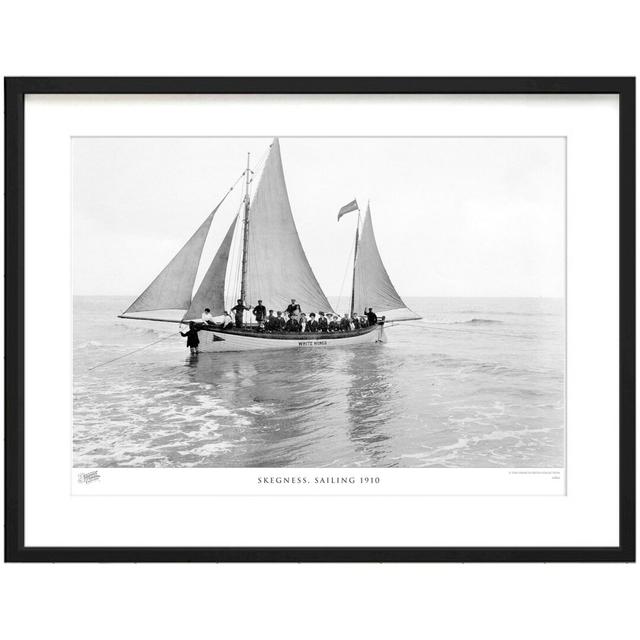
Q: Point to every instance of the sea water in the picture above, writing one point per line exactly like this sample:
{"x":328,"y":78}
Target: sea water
{"x":477,"y":382}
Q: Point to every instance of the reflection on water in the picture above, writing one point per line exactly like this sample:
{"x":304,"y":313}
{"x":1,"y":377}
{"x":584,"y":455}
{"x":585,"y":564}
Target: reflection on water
{"x":292,"y":402}
{"x":368,"y":404}
{"x":471,"y":387}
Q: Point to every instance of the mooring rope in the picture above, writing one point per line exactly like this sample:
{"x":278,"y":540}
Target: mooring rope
{"x":102,"y":364}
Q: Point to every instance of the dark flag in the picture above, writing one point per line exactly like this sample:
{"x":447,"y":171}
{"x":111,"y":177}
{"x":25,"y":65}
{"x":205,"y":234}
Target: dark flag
{"x":352,"y":206}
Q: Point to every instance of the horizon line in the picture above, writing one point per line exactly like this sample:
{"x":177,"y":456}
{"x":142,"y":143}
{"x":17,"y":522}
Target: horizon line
{"x":133,"y":295}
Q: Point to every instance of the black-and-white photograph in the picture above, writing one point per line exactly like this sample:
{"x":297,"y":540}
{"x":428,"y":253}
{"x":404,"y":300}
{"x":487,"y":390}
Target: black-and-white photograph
{"x":319,"y":302}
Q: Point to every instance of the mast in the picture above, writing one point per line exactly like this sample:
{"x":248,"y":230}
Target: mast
{"x":277,"y":268}
{"x":355,"y":257}
{"x":245,"y":241}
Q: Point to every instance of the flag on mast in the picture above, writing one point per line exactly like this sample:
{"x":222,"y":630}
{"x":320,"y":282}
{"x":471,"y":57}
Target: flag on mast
{"x":352,"y":206}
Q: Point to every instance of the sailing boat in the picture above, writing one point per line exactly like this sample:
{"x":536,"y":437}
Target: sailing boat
{"x":274,"y":269}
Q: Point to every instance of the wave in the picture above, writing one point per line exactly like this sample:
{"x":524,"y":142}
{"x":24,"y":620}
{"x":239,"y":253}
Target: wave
{"x":140,"y":329}
{"x":511,"y":313}
{"x":91,"y":344}
{"x":474,"y":321}
{"x":479,"y":321}
{"x":96,"y":344}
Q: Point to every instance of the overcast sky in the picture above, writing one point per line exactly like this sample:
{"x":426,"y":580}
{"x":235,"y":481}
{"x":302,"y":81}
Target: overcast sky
{"x":452,"y":216}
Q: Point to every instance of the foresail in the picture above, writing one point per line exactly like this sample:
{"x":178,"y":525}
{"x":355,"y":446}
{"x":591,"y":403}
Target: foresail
{"x":372,"y":285}
{"x":277,"y":267}
{"x":210,"y":293}
{"x":173,"y":287}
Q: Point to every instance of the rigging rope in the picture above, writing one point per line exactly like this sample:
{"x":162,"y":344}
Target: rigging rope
{"x":226,"y":195}
{"x":232,"y":266}
{"x":255,"y":174}
{"x":346,"y":270}
{"x":235,"y":270}
{"x":231,"y":188}
{"x":259,"y":166}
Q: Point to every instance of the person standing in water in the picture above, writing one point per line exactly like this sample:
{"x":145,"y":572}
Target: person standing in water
{"x":192,"y":338}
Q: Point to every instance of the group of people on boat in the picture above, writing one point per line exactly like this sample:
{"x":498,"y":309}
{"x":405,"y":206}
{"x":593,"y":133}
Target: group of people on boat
{"x":293,"y":320}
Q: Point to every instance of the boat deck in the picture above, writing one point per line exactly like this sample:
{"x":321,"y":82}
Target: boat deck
{"x":252,"y":332}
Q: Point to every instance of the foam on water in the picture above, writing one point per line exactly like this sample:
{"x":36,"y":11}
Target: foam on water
{"x":488,"y":392}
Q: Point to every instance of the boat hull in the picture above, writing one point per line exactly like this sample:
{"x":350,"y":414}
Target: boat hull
{"x":212,"y":340}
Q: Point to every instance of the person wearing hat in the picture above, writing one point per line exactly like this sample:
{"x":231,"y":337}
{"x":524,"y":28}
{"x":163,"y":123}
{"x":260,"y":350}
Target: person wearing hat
{"x":345,"y":323}
{"x":294,"y":308}
{"x":323,"y":323}
{"x":372,"y":317}
{"x":292,"y":324}
{"x":312,"y":324}
{"x":355,"y":321}
{"x":260,"y":312}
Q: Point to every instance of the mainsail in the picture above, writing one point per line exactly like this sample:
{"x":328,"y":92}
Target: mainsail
{"x":372,"y":286}
{"x":210,"y":293}
{"x":173,"y":287}
{"x":277,"y":268}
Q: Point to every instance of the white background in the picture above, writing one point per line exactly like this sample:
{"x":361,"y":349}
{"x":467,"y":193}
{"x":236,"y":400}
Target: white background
{"x":502,"y":199}
{"x":489,"y":38}
{"x":587,"y":516}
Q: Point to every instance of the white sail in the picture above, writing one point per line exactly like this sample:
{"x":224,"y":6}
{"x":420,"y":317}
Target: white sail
{"x":173,"y":287}
{"x":372,"y":285}
{"x":210,"y":293}
{"x":277,"y":267}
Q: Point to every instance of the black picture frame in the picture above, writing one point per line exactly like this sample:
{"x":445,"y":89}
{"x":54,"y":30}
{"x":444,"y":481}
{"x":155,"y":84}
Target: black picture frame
{"x":15,"y":91}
